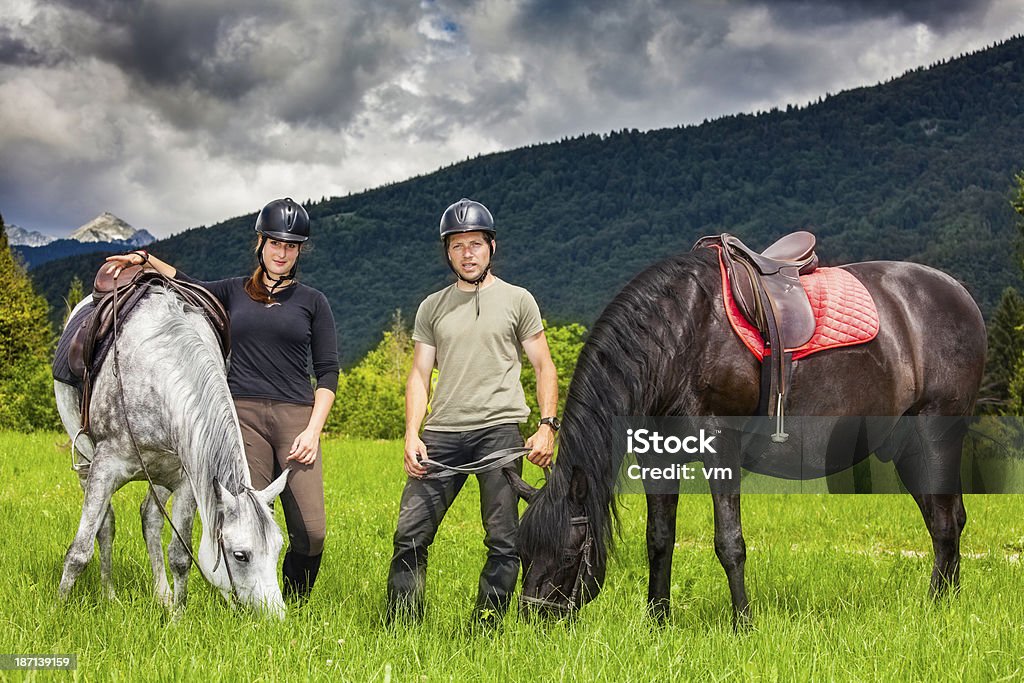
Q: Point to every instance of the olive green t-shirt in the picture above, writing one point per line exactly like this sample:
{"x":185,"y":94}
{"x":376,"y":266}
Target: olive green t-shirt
{"x":478,"y":359}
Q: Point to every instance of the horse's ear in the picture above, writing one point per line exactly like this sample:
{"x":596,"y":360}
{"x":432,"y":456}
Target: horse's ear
{"x":524,"y":490}
{"x":578,"y":487}
{"x":220,"y":493}
{"x":273,"y":490}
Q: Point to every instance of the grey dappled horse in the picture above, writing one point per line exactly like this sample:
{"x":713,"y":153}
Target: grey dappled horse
{"x":177,"y":402}
{"x":663,"y":346}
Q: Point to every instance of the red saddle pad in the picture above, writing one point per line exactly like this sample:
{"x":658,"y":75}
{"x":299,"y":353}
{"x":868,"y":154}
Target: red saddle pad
{"x":844,"y":313}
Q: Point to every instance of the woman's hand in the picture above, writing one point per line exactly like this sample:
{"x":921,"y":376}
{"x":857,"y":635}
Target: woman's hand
{"x":305,"y":447}
{"x":118,"y":262}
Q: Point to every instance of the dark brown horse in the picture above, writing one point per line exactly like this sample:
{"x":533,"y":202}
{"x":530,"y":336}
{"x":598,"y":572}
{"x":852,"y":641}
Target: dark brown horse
{"x":663,"y":347}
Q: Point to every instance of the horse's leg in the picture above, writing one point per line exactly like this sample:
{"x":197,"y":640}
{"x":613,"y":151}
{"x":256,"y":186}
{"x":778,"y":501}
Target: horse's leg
{"x":661,"y":536}
{"x":105,"y":541}
{"x":930,"y":469}
{"x":731,"y":551}
{"x":183,"y":514}
{"x":152,"y":529}
{"x":105,"y":476}
{"x":945,"y":518}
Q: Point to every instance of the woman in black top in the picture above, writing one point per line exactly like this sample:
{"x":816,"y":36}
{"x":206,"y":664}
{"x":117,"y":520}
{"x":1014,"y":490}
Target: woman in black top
{"x":277,"y":323}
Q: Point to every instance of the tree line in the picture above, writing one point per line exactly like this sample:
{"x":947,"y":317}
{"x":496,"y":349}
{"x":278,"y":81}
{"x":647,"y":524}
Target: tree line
{"x":371,"y":393}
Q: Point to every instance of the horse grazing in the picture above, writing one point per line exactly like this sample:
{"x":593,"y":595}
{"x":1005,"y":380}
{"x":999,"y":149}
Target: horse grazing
{"x":664,"y":347}
{"x":167,"y":404}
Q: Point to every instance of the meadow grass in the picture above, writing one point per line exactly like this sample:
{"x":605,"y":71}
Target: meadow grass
{"x":838,"y":586}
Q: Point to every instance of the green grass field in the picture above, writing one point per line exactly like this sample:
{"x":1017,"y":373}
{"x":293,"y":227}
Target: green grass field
{"x":838,"y":588}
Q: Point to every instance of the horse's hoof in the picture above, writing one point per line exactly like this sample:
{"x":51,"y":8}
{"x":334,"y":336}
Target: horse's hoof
{"x":110,"y":593}
{"x":742,"y":622}
{"x":64,"y":590}
{"x":659,"y":614}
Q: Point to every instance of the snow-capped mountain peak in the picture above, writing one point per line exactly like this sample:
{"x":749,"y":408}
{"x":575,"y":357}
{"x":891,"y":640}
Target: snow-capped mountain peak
{"x":104,"y":228}
{"x":20,"y":237}
{"x":109,"y":228}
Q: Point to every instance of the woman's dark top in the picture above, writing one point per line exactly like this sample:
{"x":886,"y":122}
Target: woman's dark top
{"x":271,"y":345}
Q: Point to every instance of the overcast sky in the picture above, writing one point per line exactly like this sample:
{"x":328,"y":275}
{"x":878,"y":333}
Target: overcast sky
{"x":176,"y":113}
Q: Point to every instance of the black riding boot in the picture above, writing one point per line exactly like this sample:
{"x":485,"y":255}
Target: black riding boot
{"x":406,"y":593}
{"x":299,"y":574}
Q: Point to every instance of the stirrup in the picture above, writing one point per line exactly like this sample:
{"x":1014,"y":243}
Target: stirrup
{"x":75,"y":465}
{"x":780,"y":436}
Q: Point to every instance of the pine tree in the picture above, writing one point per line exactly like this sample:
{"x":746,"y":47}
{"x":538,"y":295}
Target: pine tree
{"x":1005,"y":349}
{"x":26,"y":394}
{"x":73,"y":297}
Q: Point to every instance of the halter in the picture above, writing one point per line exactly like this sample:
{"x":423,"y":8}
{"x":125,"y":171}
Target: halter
{"x":585,"y":565}
{"x":218,"y":532}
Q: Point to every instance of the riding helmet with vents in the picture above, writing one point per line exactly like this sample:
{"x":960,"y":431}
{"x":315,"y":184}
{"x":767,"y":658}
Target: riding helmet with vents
{"x":283,"y":220}
{"x":466,"y":215}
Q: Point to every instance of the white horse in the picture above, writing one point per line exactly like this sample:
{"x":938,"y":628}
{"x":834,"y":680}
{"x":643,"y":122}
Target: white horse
{"x":173,"y":391}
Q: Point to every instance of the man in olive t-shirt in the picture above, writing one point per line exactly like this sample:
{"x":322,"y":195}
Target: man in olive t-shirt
{"x":475,"y":332}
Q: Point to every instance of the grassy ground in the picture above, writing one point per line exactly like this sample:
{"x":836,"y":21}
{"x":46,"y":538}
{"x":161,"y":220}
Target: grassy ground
{"x":838,"y":586}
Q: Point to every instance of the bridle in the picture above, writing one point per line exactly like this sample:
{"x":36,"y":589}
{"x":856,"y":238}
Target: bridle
{"x":584,"y":568}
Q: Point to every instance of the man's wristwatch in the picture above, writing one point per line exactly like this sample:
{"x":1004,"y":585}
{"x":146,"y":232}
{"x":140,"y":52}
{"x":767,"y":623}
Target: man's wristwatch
{"x":552,"y":422}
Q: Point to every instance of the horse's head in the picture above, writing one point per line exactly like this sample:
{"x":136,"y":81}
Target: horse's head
{"x":240,"y":554}
{"x":563,"y":567}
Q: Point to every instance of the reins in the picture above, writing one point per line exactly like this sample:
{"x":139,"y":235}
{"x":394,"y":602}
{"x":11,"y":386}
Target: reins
{"x":491,"y":461}
{"x":152,"y":487}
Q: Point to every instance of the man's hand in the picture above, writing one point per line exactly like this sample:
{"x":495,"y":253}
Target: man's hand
{"x":305,"y":446}
{"x":415,"y":451}
{"x":542,"y":446}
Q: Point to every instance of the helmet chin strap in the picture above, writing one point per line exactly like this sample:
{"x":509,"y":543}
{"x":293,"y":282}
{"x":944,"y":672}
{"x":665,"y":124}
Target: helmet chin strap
{"x":266,"y":274}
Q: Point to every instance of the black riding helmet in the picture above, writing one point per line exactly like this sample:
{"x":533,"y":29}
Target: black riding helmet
{"x":283,"y":220}
{"x":467,"y":215}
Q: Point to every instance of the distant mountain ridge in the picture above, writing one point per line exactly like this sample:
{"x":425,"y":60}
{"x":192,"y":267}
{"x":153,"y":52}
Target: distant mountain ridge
{"x":105,"y":233}
{"x":17,"y":236}
{"x":919,"y":168}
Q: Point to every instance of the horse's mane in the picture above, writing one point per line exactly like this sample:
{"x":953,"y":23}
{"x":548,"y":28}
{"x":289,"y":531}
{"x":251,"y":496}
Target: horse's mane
{"x":630,"y":365}
{"x":206,"y":428}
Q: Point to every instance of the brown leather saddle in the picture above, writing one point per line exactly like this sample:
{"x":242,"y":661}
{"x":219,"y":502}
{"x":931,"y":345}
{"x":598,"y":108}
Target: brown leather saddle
{"x":766,"y":287}
{"x":114,"y":300}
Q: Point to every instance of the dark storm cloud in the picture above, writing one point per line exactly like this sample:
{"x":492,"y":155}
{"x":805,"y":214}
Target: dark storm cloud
{"x":302,"y":64}
{"x":555,"y":18}
{"x":16,"y":52}
{"x":167,"y":44}
{"x":940,"y":15}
